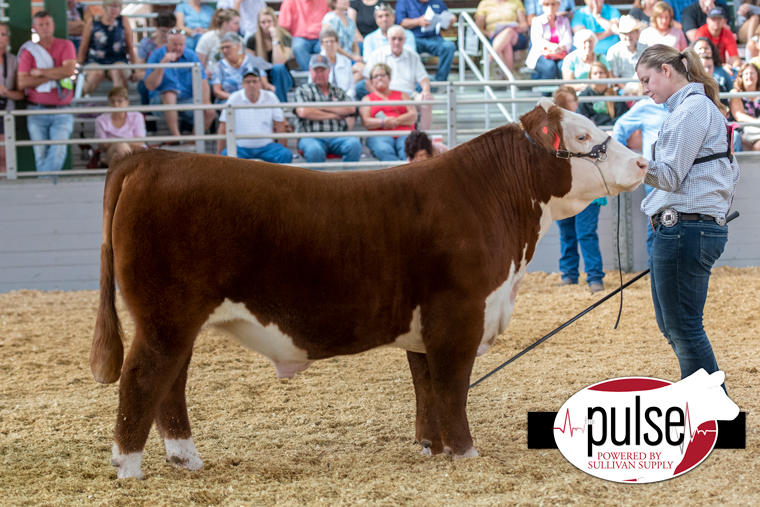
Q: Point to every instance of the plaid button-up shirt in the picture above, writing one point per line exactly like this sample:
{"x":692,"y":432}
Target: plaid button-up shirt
{"x":311,"y":93}
{"x":695,"y":128}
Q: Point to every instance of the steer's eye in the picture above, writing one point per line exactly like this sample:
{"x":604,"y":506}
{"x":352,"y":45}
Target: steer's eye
{"x":582,"y":137}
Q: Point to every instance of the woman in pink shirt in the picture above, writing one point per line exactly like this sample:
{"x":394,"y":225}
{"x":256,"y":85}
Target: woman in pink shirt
{"x":119,"y":125}
{"x":552,"y":39}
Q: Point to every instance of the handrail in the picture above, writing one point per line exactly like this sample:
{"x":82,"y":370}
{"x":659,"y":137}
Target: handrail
{"x":451,"y":102}
{"x":466,"y":20}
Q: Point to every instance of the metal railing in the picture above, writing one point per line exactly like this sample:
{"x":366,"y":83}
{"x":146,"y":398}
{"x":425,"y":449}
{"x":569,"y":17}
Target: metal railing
{"x":451,"y":101}
{"x":466,"y":21}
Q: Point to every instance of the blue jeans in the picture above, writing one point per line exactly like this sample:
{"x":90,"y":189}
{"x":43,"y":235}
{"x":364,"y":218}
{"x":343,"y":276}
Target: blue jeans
{"x":443,"y":49}
{"x":186,"y":116}
{"x":548,"y":69}
{"x":682,"y":258}
{"x":303,"y":49}
{"x":386,"y":148}
{"x":581,"y":229}
{"x":316,"y":150}
{"x":49,"y":127}
{"x":650,"y":232}
{"x":280,"y":77}
{"x":272,"y":152}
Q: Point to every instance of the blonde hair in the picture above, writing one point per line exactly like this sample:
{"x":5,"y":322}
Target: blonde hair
{"x":608,"y":90}
{"x":584,"y":35}
{"x":658,"y":9}
{"x":658,"y":55}
{"x":381,"y":66}
{"x":222,"y":16}
{"x":285,"y":37}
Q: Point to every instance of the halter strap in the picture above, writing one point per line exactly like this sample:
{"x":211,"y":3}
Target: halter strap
{"x":598,"y":152}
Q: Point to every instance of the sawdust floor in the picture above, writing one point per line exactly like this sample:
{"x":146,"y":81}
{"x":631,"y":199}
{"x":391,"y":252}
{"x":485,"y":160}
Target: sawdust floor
{"x":342,"y":432}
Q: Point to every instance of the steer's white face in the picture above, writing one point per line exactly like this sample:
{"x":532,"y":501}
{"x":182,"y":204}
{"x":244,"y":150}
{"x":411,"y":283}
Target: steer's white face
{"x":621,"y":171}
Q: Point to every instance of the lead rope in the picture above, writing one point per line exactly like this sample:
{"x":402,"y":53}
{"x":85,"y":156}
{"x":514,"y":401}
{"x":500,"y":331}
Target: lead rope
{"x":620,"y":265}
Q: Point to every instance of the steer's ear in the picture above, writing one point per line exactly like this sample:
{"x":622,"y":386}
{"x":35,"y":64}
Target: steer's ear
{"x":544,"y":124}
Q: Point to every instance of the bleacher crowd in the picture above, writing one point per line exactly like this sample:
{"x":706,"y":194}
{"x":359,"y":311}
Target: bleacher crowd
{"x":363,"y":50}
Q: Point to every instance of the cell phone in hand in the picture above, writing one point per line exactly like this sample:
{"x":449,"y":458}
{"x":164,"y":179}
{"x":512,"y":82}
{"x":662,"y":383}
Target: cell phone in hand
{"x":381,"y":115}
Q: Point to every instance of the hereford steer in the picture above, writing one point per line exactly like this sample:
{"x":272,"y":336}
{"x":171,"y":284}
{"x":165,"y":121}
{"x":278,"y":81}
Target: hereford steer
{"x":301,"y":265}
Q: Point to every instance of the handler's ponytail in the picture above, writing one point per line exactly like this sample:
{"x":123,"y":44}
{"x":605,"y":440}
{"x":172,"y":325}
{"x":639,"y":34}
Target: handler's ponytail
{"x":686,"y":63}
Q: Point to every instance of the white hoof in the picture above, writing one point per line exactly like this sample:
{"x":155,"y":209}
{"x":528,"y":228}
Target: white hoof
{"x":127,"y":465}
{"x":469,"y":453}
{"x":182,"y":453}
{"x":426,"y":451}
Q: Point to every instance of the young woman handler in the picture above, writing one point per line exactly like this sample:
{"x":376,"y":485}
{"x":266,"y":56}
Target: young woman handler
{"x":694,"y":176}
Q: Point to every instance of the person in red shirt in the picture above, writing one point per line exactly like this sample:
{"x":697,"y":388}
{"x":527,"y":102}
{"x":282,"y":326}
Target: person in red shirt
{"x":716,"y":30}
{"x":303,"y":19}
{"x":44,"y":73}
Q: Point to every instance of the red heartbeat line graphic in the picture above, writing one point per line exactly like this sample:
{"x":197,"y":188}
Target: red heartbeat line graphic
{"x":582,"y":429}
{"x":567,"y":420}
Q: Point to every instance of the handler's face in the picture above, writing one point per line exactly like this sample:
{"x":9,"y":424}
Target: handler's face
{"x":656,"y":84}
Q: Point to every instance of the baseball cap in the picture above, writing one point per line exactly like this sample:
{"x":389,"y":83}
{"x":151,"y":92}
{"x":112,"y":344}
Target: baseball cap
{"x":319,"y":61}
{"x":717,"y":12}
{"x":250,"y":69}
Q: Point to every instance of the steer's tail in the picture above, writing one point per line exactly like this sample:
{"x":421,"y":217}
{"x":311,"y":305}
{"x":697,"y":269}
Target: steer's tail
{"x":107,"y":352}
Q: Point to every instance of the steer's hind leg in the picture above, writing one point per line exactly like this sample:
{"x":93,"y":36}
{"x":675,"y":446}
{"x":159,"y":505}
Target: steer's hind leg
{"x":174,"y":425}
{"x":427,"y":427}
{"x":451,"y":335}
{"x":149,"y":372}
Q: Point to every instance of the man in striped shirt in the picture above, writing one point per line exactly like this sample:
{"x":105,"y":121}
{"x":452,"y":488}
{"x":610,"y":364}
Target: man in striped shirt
{"x":327,"y":119}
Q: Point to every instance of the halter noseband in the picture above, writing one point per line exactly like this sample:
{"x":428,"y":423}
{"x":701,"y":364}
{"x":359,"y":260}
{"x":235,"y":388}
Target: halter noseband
{"x":598,"y":152}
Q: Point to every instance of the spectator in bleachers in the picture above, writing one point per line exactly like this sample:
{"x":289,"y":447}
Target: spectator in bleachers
{"x":119,"y":125}
{"x":8,"y":91}
{"x":194,"y":18}
{"x":106,"y":40}
{"x":747,"y":19}
{"x":164,"y":22}
{"x":410,"y":14}
{"x":228,"y":72}
{"x":505,"y":23}
{"x":223,"y":21}
{"x":331,"y":119}
{"x":661,"y":29}
{"x":601,"y":113}
{"x":622,"y":56}
{"x":551,"y":41}
{"x":303,"y":19}
{"x":566,"y":98}
{"x":408,"y":74}
{"x":385,"y":17}
{"x":721,"y":36}
{"x":533,"y":8}
{"x":175,"y":86}
{"x":418,"y":147}
{"x":642,"y":10}
{"x":695,"y":16}
{"x":256,"y":121}
{"x":747,"y":108}
{"x":645,"y":117}
{"x":363,"y":13}
{"x":379,"y":117}
{"x":341,"y":74}
{"x":77,"y":14}
{"x":274,"y":44}
{"x":345,"y":27}
{"x":578,"y":63}
{"x":707,"y":51}
{"x":44,"y":73}
{"x":601,"y":19}
{"x":249,"y":13}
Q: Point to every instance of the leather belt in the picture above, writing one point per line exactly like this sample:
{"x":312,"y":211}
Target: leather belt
{"x":46,"y":106}
{"x":671,"y":217}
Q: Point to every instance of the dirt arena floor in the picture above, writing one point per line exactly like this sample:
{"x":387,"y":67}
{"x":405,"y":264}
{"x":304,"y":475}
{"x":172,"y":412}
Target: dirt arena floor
{"x":342,"y":432}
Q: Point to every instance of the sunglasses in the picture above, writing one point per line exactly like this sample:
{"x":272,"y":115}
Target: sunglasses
{"x":378,"y":76}
{"x":175,"y":31}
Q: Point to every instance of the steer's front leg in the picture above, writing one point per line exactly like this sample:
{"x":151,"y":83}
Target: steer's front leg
{"x":427,"y":427}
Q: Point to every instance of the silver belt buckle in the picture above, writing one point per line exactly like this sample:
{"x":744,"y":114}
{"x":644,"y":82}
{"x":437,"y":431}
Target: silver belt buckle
{"x":669,"y":217}
{"x":720,"y":221}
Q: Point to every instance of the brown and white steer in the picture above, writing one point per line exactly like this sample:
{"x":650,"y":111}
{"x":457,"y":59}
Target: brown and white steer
{"x":301,"y":265}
